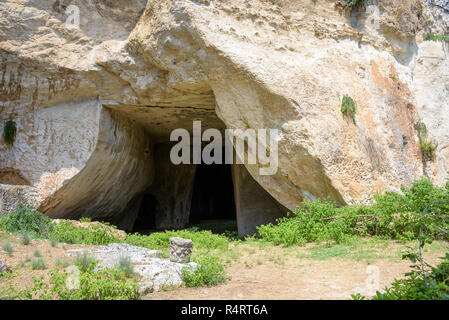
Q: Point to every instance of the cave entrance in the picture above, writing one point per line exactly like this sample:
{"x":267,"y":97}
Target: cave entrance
{"x":213,"y":204}
{"x":187,"y":195}
{"x":146,"y":218}
{"x":216,"y":197}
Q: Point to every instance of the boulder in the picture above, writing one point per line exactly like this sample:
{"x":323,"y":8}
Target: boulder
{"x":153,"y":272}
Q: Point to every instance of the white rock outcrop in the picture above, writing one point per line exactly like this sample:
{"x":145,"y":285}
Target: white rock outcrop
{"x":91,"y":101}
{"x":153,"y":272}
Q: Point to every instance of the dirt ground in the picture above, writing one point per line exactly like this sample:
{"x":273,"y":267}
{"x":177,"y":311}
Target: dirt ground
{"x":289,"y":275}
{"x":261,"y":271}
{"x":21,"y":259}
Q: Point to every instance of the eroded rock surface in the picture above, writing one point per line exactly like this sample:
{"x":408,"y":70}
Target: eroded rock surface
{"x":154,"y":272}
{"x":90,"y":101}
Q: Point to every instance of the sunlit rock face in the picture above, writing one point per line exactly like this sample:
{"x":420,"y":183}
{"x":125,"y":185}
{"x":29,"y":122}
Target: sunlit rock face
{"x":91,"y":101}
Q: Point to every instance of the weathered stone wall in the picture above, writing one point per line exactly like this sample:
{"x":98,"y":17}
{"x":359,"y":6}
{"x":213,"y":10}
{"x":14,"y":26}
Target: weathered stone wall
{"x":119,"y":169}
{"x":281,"y":64}
{"x":173,"y":189}
{"x":52,"y":145}
{"x":254,"y":205}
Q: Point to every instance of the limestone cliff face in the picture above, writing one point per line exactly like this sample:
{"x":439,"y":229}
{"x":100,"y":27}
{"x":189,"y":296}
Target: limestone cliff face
{"x":90,"y":102}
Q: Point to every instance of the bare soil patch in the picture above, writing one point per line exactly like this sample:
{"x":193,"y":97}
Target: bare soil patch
{"x":286,"y":273}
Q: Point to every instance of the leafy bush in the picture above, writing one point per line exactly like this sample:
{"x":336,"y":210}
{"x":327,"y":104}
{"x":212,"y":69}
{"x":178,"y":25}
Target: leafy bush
{"x":95,"y":234}
{"x":392,"y":215}
{"x":26,"y":219}
{"x":209,"y":272}
{"x":415,"y":287}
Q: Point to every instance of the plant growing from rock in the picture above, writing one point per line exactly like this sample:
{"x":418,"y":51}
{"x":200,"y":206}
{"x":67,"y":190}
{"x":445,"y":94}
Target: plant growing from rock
{"x":436,"y":37}
{"x":426,"y":144}
{"x":9,"y":132}
{"x":354,"y":3}
{"x":348,"y":107}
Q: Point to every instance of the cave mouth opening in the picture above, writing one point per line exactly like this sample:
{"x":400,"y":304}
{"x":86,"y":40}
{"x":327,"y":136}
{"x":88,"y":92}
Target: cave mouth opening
{"x":185,"y":196}
{"x":213,"y":204}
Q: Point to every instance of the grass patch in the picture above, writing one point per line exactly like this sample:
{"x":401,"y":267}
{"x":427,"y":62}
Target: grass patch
{"x":38,"y":264}
{"x":107,"y":284}
{"x":25,"y":238}
{"x":8,"y":248}
{"x":161,"y":240}
{"x":85,"y":263}
{"x":95,"y":234}
{"x":125,"y":265}
{"x":209,"y":272}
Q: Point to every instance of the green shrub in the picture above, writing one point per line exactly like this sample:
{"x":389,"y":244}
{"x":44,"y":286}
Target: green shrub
{"x":38,"y":264}
{"x":26,"y":219}
{"x":9,"y":132}
{"x":209,"y":272}
{"x":392,"y":215}
{"x":436,"y":37}
{"x":8,"y":248}
{"x":95,"y":234}
{"x":348,"y":107}
{"x":37,"y":253}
